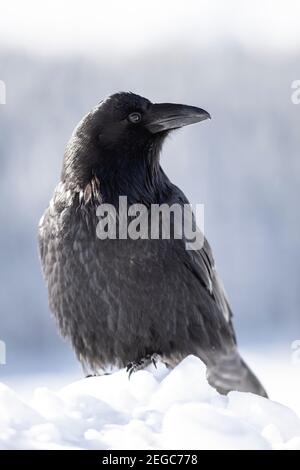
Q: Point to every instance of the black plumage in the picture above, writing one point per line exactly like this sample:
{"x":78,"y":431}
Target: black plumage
{"x":126,"y":301}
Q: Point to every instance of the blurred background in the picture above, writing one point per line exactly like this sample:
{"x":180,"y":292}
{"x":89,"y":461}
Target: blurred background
{"x":237,"y":59}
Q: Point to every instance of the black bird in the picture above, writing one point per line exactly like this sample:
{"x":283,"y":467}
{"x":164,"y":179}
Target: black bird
{"x":125,"y":302}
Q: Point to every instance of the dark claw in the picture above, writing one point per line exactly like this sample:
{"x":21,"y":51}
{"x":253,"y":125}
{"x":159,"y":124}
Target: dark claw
{"x":154,"y":362}
{"x":135,"y":366}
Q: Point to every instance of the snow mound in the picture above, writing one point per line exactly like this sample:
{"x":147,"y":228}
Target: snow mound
{"x":155,"y":409}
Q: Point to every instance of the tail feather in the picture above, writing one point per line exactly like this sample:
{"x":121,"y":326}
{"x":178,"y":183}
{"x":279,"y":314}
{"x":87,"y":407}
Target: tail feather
{"x":230,"y":373}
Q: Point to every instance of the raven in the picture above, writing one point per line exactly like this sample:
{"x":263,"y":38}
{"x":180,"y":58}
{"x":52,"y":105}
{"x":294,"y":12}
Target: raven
{"x":126,"y":302}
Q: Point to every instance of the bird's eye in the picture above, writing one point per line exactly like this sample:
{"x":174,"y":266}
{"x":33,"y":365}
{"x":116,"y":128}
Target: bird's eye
{"x":135,"y":117}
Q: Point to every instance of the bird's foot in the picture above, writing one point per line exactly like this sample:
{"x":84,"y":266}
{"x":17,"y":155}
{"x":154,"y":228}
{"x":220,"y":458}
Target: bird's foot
{"x":135,"y":366}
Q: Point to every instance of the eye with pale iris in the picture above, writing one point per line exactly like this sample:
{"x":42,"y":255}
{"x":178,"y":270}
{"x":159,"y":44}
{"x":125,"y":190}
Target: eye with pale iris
{"x":135,"y":117}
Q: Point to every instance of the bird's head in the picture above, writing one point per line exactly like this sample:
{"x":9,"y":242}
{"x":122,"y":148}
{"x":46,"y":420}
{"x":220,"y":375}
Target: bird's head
{"x":123,"y":133}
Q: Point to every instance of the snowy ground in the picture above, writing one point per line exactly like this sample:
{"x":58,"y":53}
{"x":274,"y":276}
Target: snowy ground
{"x":156,"y":409}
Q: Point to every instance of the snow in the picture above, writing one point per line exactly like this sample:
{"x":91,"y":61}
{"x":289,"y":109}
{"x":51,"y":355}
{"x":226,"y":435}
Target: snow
{"x":155,"y":409}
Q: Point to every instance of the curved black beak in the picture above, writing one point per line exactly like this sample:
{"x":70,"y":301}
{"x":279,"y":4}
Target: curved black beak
{"x":167,"y":116}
